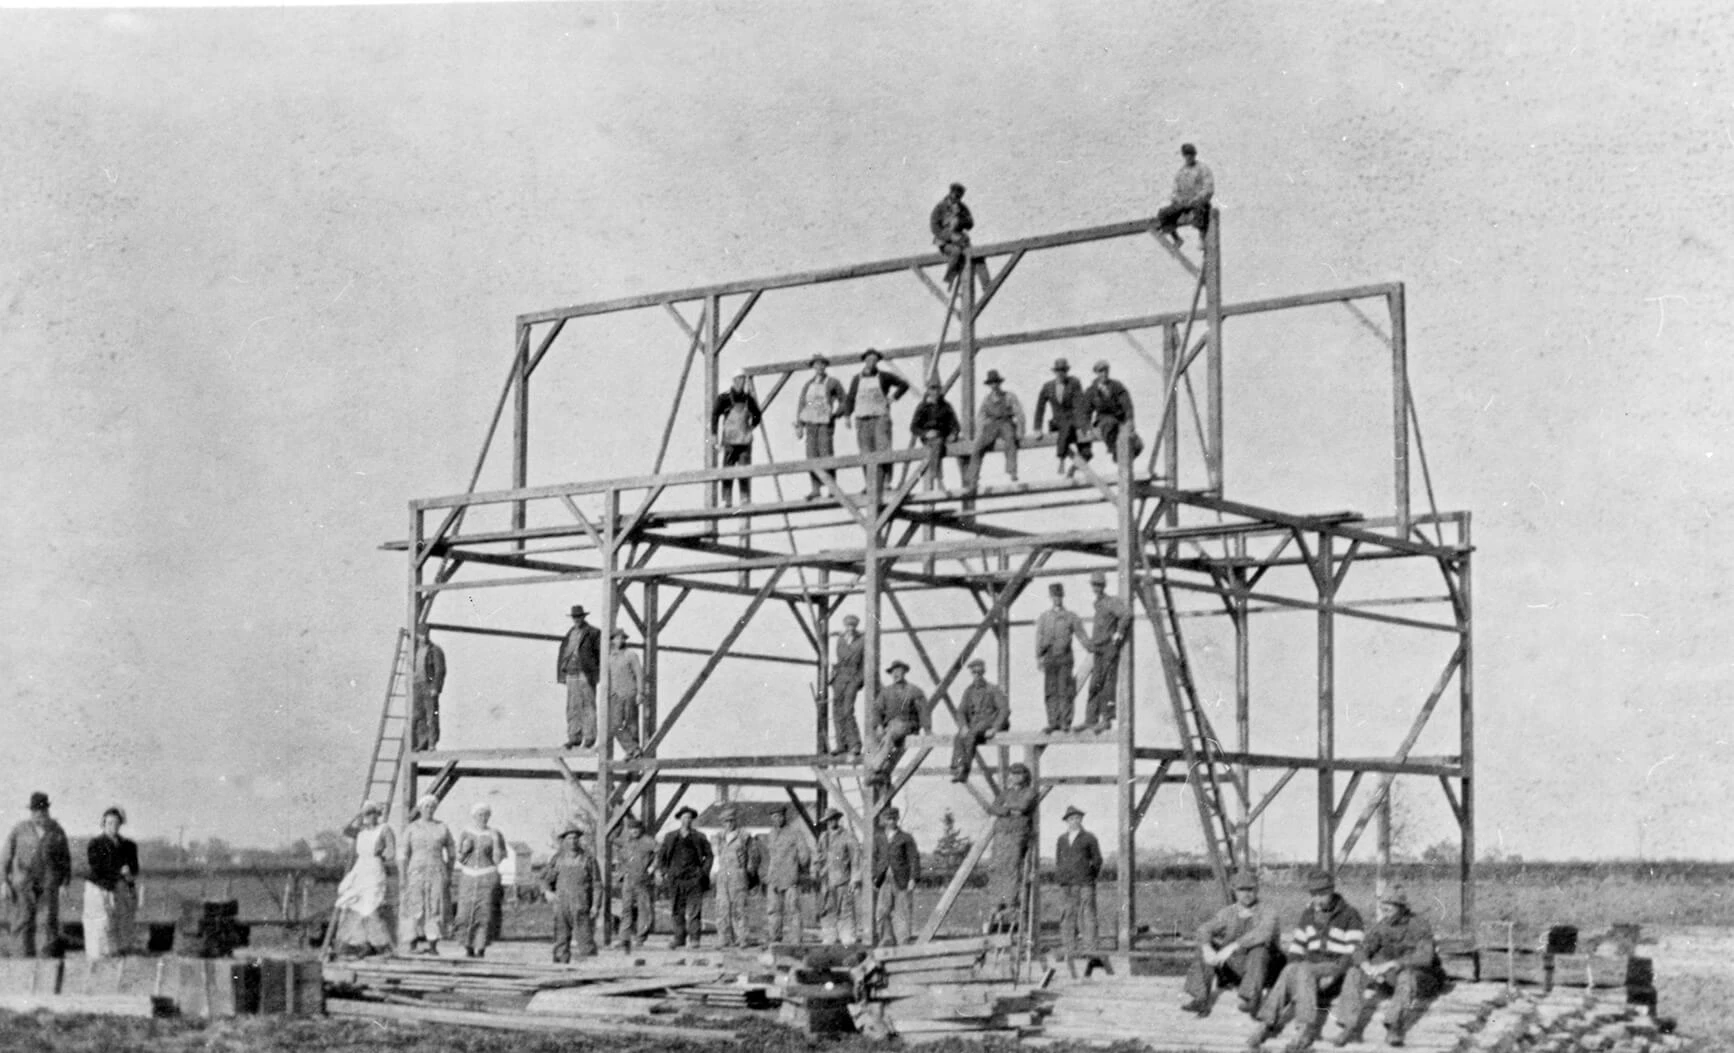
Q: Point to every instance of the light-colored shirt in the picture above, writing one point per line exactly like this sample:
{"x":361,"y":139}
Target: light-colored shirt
{"x":1002,"y":406}
{"x":1193,"y":184}
{"x":1246,"y":927}
{"x":625,"y":675}
{"x":821,"y":401}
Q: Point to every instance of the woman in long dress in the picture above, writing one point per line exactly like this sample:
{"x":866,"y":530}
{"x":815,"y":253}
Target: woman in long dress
{"x":110,"y":890}
{"x":427,"y":863}
{"x":480,"y":850}
{"x":361,"y":926}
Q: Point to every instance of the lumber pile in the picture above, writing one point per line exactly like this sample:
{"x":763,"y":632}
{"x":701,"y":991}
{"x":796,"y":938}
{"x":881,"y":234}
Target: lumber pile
{"x":136,"y":986}
{"x":946,"y":989}
{"x":505,"y":1020}
{"x":1547,"y":957}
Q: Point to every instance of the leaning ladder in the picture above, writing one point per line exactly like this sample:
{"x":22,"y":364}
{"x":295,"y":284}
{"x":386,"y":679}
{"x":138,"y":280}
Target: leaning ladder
{"x":394,"y":720}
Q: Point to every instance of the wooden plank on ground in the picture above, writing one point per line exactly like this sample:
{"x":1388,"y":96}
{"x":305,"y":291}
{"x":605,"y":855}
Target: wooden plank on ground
{"x":519,"y":1021}
{"x":99,"y":1005}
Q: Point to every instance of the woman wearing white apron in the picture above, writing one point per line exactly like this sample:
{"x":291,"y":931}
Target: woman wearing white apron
{"x":110,"y":890}
{"x":361,"y":926}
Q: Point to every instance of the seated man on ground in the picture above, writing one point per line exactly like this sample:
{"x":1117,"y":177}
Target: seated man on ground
{"x":1320,"y":952}
{"x":1397,"y":959}
{"x":1238,"y":947}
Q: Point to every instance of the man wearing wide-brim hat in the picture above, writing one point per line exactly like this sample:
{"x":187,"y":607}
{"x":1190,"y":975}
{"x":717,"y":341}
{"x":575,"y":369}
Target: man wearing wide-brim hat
{"x":999,"y":419}
{"x":684,"y":860}
{"x":578,"y":666}
{"x":1077,"y":867}
{"x":573,"y":883}
{"x":1071,"y":420}
{"x":1320,"y":952}
{"x":1398,"y":958}
{"x":839,"y":880}
{"x":983,"y":712}
{"x":899,"y":700}
{"x":35,"y":864}
{"x":1236,"y":947}
{"x":821,"y":402}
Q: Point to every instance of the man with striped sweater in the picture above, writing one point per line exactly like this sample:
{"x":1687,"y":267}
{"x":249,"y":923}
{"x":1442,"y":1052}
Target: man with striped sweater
{"x":1321,"y":950}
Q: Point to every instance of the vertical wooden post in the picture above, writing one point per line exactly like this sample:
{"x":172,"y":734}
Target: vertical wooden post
{"x":873,"y":656}
{"x":1003,"y":667}
{"x":1125,"y":791}
{"x":1327,"y":803}
{"x":1033,"y":909}
{"x":647,"y":717}
{"x":406,"y":757}
{"x":966,"y":344}
{"x":823,"y":718}
{"x":599,"y":841}
{"x":1170,"y":437}
{"x":1213,"y":318}
{"x":1466,"y":731}
{"x":712,"y":388}
{"x":521,"y":429}
{"x":1243,"y":691}
{"x":1400,"y":406}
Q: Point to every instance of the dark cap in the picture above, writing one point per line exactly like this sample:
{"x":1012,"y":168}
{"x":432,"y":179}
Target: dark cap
{"x":890,"y":815}
{"x":818,"y":360}
{"x":899,"y":664}
{"x":1071,"y":810}
{"x":1019,"y":769}
{"x":1061,"y":365}
{"x":831,"y":815}
{"x":1245,"y":879}
{"x":578,"y":611}
{"x":572,"y":830}
{"x":993,"y":377}
{"x":685,"y":811}
{"x":1057,"y":589}
{"x":1320,"y":881}
{"x":957,"y":188}
{"x":618,"y":634}
{"x":1188,"y":149}
{"x":39,"y":801}
{"x":977,"y":663}
{"x":872,"y":353}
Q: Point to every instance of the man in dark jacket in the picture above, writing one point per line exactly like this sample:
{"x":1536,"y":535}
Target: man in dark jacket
{"x":871,"y":394}
{"x":635,"y":861}
{"x":1071,"y":409}
{"x":1110,"y":410}
{"x":1398,"y":956}
{"x":35,"y":864}
{"x":733,"y":418}
{"x":429,"y":681}
{"x":684,"y":861}
{"x":950,"y":223}
{"x":1077,"y":865}
{"x":896,"y":869}
{"x":847,"y":679}
{"x":578,"y":667}
{"x":935,"y":424}
{"x":1321,"y":951}
{"x":983,"y":713}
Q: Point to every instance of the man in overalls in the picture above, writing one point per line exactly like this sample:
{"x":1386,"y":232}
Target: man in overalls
{"x":732,"y":420}
{"x":821,"y":403}
{"x":574,"y":885}
{"x":871,"y":394}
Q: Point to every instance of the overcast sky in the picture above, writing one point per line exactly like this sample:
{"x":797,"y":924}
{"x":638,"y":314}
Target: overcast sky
{"x":261,"y":267}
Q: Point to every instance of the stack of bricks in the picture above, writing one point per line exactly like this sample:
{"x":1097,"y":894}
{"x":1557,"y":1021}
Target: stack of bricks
{"x":1567,"y":1021}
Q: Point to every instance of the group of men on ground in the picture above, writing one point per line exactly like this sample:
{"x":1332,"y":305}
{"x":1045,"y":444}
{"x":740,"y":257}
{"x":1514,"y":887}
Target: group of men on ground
{"x":1329,"y":955}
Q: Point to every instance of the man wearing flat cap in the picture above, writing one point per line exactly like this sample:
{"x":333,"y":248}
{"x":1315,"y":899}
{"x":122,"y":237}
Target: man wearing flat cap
{"x":1077,"y":867}
{"x":578,"y":667}
{"x":1110,"y":625}
{"x":787,"y":857}
{"x":983,"y":713}
{"x":950,"y":223}
{"x":625,"y":693}
{"x":35,"y":864}
{"x":1236,"y":947}
{"x":684,"y":861}
{"x":1398,"y":959}
{"x":1111,"y":412}
{"x":429,"y":682}
{"x":871,"y":394}
{"x":734,"y":862}
{"x":999,"y":419}
{"x":1014,"y":812}
{"x":1194,"y":186}
{"x":635,"y":860}
{"x":573,"y":884}
{"x":1056,"y":627}
{"x":733,"y":419}
{"x":839,"y":881}
{"x":1320,"y":952}
{"x":822,"y":401}
{"x":1071,"y":419}
{"x":848,"y":676}
{"x":934,"y":424}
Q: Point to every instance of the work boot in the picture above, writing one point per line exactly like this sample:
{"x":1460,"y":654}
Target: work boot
{"x":1256,"y":1040}
{"x":1197,"y":1007}
{"x":1394,"y":1035}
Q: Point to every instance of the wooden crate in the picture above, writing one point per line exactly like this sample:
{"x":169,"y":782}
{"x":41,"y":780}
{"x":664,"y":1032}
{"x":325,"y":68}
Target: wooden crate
{"x":1522,"y":967}
{"x":290,"y":986}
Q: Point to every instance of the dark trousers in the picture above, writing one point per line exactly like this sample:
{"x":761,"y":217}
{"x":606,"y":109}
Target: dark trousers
{"x":1248,"y":970}
{"x":1108,"y":430}
{"x":843,"y":692}
{"x":935,"y":477}
{"x":29,"y":901}
{"x":963,"y":747}
{"x":574,"y":928}
{"x":1069,"y":438}
{"x":1104,"y":688}
{"x":1058,"y":687}
{"x":425,"y":725}
{"x":1171,"y":215}
{"x":1078,"y":917}
{"x":1303,"y":987}
{"x":1006,"y":882}
{"x":1401,"y":990}
{"x":687,"y":908}
{"x":733,"y":457}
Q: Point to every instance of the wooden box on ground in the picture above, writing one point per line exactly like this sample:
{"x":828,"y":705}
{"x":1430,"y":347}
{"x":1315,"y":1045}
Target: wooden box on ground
{"x":290,"y":986}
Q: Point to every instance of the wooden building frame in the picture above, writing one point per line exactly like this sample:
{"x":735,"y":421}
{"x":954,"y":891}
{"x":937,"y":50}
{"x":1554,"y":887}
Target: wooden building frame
{"x":649,"y":542}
